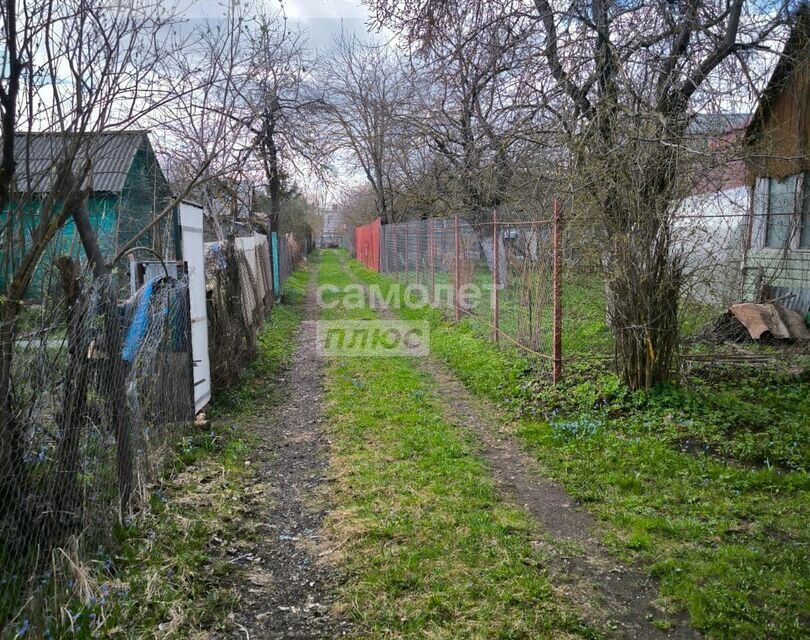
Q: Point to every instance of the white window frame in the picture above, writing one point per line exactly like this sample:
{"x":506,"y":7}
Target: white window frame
{"x":761,"y":205}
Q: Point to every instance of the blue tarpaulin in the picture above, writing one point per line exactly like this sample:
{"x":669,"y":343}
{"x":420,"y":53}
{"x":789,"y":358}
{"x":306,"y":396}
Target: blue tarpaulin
{"x":274,"y":254}
{"x":140,"y":322}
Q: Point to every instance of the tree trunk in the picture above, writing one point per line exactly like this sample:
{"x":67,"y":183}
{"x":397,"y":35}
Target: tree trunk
{"x":12,"y":441}
{"x":487,"y":244}
{"x":645,"y":285}
{"x":114,"y":369}
{"x":74,"y":409}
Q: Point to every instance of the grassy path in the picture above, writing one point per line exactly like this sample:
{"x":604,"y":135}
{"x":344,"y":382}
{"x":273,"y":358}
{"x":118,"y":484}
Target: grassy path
{"x":431,"y":548}
{"x":726,"y":538}
{"x":611,"y":594}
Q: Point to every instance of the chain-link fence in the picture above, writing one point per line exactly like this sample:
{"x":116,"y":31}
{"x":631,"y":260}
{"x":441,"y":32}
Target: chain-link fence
{"x":509,"y":277}
{"x":98,"y":391}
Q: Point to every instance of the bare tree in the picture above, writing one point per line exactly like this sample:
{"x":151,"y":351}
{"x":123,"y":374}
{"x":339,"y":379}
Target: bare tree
{"x":279,"y":107}
{"x":74,"y":71}
{"x":623,"y":82}
{"x":369,"y":95}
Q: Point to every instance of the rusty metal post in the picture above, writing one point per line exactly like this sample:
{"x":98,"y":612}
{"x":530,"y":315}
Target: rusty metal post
{"x":496,"y":311}
{"x":396,"y":249}
{"x":457,"y":267}
{"x":431,"y":262}
{"x":556,"y":293}
{"x":416,"y":251}
{"x":407,"y":266}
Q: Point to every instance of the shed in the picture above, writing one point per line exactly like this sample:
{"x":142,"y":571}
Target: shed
{"x":776,"y":264}
{"x":127,"y":189}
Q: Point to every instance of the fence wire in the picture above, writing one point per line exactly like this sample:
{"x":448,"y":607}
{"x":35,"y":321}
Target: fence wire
{"x":498,"y":275}
{"x":100,"y":391}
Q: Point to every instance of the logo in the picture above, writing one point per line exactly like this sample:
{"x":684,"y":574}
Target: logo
{"x":372,"y":338}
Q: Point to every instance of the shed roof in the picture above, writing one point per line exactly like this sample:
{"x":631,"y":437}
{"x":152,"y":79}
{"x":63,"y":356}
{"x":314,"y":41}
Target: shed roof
{"x":110,"y":153}
{"x":794,"y":53}
{"x":712,"y":124}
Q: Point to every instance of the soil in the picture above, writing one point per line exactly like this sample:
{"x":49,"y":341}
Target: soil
{"x":614,"y":596}
{"x":289,"y":588}
{"x":611,"y":594}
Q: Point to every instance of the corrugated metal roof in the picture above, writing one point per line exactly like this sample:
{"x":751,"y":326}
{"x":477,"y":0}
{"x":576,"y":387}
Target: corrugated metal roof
{"x":717,"y":123}
{"x":110,"y":154}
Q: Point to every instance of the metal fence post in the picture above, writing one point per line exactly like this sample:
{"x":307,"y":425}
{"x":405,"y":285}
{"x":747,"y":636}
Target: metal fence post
{"x":556,"y":293}
{"x":456,"y":267}
{"x":496,"y":315}
{"x":416,"y":251}
{"x":431,"y":263}
{"x":407,"y":266}
{"x":396,"y":249}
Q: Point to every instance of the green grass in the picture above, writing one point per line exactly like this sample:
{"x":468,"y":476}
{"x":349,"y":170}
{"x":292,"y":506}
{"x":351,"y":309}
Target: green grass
{"x":584,"y":329}
{"x":430,"y":549}
{"x":705,"y":483}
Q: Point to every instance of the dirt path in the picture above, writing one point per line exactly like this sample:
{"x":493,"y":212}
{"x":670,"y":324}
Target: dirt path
{"x":611,"y":594}
{"x":288,"y":590}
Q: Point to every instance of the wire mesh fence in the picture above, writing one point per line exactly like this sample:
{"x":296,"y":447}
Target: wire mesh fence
{"x":541,"y":283}
{"x":99,"y":391}
{"x":99,"y":394}
{"x":241,"y":294}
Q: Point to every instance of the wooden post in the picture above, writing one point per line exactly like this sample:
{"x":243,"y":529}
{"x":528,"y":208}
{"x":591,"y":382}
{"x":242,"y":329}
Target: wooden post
{"x":556,"y":293}
{"x":496,"y":315}
{"x":457,"y":267}
{"x":431,"y":264}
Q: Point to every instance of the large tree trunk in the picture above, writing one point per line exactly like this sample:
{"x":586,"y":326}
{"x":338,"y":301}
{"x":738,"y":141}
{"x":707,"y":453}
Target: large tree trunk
{"x":643,"y":313}
{"x":488,"y":245}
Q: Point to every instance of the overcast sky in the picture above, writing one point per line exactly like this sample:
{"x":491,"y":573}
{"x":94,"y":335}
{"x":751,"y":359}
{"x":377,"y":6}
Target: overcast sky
{"x":322,"y":19}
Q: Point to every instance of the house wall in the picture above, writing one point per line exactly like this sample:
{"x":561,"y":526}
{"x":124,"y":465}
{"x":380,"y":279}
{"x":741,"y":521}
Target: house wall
{"x":784,"y":274}
{"x":102,"y":211}
{"x":779,"y":141}
{"x":786,"y":271}
{"x":144,"y":195}
{"x":783,"y":137}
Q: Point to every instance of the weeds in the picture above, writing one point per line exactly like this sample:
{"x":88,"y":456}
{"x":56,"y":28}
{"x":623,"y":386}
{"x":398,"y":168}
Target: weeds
{"x":172,"y":573}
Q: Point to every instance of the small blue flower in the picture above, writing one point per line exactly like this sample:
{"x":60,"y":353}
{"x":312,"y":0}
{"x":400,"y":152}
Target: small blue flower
{"x":23,"y":628}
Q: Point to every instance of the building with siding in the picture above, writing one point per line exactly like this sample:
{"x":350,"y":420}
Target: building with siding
{"x":776,"y":264}
{"x":127,"y":188}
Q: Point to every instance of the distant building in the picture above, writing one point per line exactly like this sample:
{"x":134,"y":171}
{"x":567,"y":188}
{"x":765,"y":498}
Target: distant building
{"x":710,"y":223}
{"x":333,"y":227}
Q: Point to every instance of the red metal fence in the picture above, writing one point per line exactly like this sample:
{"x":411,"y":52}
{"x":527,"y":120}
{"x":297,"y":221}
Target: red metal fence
{"x":367,"y":244}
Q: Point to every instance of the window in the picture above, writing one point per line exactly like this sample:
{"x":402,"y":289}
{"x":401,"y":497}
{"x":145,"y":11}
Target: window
{"x":781,"y":211}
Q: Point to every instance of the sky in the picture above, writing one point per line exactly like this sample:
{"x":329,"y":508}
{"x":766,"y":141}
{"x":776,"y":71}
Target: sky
{"x":322,"y":19}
